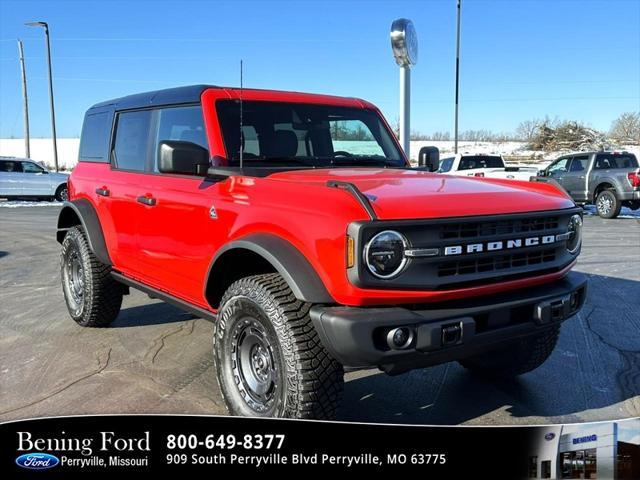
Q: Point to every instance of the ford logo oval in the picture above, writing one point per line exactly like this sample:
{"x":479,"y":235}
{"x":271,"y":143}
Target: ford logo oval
{"x":550,"y":436}
{"x":37,"y":461}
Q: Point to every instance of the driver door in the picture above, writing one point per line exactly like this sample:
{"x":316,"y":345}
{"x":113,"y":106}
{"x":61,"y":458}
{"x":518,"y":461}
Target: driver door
{"x":558,"y":169}
{"x":34,"y":180}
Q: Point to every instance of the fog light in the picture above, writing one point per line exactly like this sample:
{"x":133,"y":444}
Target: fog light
{"x":400,"y":338}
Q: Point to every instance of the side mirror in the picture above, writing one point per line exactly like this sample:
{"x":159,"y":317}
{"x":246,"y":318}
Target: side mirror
{"x":429,"y":158}
{"x":177,"y":156}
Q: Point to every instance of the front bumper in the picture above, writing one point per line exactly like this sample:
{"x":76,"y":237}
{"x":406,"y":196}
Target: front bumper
{"x":358,"y":337}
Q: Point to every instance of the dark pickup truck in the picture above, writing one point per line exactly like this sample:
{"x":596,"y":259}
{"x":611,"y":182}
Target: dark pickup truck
{"x":609,"y":180}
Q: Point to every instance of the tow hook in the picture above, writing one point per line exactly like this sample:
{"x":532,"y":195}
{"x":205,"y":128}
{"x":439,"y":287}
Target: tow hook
{"x":451,"y":334}
{"x":553,"y":310}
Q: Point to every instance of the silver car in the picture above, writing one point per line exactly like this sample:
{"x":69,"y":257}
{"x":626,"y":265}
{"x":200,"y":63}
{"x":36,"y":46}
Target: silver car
{"x":21,"y":177}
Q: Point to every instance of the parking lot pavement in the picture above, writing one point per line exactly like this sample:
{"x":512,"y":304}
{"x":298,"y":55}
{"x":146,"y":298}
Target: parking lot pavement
{"x":157,"y":359}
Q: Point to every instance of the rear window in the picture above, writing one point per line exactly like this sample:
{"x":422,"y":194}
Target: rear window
{"x":132,"y":139}
{"x":94,"y":143}
{"x":480,"y":161}
{"x":615,"y":160}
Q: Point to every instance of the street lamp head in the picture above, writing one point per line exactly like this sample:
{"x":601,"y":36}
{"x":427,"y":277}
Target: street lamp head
{"x":404,"y":42}
{"x":36,"y":24}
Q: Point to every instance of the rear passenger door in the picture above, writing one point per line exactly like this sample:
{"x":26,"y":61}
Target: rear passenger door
{"x":122,"y":190}
{"x":10,"y":178}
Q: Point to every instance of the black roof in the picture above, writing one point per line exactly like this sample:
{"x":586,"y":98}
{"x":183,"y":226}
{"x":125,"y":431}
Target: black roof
{"x":169,"y":96}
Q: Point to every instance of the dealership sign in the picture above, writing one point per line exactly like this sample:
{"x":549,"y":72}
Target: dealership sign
{"x":588,"y":438}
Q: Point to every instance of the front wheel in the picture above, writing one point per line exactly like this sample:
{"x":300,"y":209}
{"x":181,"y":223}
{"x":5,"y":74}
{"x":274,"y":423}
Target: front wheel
{"x":269,"y":359}
{"x":62,"y":193}
{"x":521,"y":357}
{"x":607,"y":204}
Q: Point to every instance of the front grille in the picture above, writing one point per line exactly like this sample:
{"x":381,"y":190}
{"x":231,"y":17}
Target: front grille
{"x":501,"y":227}
{"x":496,"y":263}
{"x":467,"y":266}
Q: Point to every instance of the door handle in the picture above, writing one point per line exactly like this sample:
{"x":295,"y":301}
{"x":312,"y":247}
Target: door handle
{"x":581,"y":177}
{"x":103,"y":191}
{"x":149,"y":201}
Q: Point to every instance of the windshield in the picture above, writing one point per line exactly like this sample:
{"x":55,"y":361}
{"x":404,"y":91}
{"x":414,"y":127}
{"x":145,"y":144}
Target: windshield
{"x":480,"y":161}
{"x":277,"y":134}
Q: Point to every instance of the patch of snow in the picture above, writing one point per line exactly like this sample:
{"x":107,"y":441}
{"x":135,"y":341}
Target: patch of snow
{"x":27,"y":203}
{"x":624,"y":213}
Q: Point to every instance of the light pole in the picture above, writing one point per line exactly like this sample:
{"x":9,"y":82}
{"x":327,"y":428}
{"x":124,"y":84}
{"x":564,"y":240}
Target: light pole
{"x":25,"y":102}
{"x":404,"y":43}
{"x":53,"y":113}
{"x":455,"y":134}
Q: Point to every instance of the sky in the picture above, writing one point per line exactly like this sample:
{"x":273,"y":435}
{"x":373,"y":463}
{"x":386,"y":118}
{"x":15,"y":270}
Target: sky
{"x":520,"y":59}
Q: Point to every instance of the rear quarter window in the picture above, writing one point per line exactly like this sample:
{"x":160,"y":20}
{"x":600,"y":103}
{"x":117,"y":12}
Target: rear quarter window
{"x":605,"y":161}
{"x":94,"y":141}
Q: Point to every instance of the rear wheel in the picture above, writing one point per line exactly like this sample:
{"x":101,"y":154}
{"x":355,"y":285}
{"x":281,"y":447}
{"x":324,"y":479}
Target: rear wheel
{"x":607,"y":204}
{"x":93,"y":297}
{"x":269,"y":359}
{"x":523,"y":356}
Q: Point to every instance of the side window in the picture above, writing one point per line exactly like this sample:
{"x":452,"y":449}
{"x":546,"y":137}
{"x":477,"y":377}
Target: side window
{"x":132,"y":138}
{"x":29,"y":167}
{"x":579,"y":164}
{"x":446,"y":164}
{"x":10,"y":166}
{"x":559,"y":166}
{"x":251,"y":143}
{"x":180,"y":123}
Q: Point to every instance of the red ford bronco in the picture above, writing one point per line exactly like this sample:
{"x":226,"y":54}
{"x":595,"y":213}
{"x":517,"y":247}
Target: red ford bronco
{"x":295,"y":223}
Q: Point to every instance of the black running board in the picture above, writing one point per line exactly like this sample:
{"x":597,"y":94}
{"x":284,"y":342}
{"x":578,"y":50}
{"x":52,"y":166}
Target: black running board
{"x":165,"y":297}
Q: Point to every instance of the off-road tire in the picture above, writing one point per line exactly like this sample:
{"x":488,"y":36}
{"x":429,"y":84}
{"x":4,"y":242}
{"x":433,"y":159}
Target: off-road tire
{"x":62,"y":193}
{"x":521,"y":357}
{"x":96,"y":301}
{"x":608,"y":197}
{"x":307,"y":381}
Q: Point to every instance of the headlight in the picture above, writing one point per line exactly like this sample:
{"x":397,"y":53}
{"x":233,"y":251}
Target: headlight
{"x":384,"y":254}
{"x":575,"y":233}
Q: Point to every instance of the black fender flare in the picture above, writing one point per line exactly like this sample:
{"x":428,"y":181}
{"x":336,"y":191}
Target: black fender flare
{"x":83,"y":211}
{"x":286,"y":259}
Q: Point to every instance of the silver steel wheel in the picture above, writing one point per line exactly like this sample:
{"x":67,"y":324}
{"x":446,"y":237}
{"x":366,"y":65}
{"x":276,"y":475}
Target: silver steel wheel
{"x":75,"y":276}
{"x":254,"y":366}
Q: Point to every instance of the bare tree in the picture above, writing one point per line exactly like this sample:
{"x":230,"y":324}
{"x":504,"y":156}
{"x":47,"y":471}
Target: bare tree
{"x":527,"y":129}
{"x":626,"y":128}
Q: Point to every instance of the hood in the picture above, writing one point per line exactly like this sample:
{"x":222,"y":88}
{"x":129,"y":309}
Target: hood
{"x":62,"y":177}
{"x":409,"y":194}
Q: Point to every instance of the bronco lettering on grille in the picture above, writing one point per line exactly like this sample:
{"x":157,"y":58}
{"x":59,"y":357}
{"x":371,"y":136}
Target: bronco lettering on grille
{"x":502,"y":245}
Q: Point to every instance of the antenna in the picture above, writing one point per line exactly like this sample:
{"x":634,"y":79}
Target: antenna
{"x":240,"y":138}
